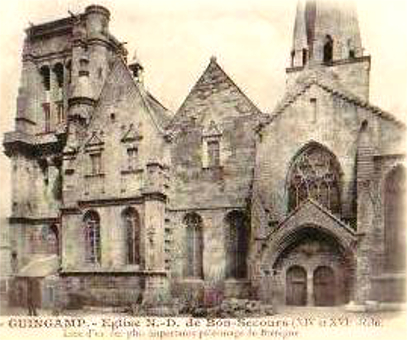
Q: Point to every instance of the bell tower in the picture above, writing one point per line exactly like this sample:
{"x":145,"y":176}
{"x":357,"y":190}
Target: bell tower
{"x":327,"y":36}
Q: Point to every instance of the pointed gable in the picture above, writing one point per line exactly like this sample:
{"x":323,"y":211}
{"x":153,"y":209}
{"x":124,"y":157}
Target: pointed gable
{"x":131,"y":135}
{"x":212,"y":130}
{"x":122,"y":92}
{"x":215,"y":93}
{"x":94,"y":140}
{"x":329,"y":83}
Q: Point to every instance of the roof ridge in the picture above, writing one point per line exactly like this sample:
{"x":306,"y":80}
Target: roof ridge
{"x":318,"y":206}
{"x":301,"y":85}
{"x":213,"y":63}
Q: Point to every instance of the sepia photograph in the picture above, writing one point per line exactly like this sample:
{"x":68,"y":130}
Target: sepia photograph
{"x":203,"y":169}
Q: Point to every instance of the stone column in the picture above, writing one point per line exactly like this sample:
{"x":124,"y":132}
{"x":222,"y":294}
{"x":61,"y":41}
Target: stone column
{"x":156,"y":285}
{"x":310,"y":288}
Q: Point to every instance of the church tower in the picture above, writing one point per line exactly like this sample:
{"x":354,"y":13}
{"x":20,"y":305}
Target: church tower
{"x":327,"y":36}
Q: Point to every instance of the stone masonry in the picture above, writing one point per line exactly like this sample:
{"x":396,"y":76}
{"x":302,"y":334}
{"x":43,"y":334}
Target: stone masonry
{"x":117,"y":201}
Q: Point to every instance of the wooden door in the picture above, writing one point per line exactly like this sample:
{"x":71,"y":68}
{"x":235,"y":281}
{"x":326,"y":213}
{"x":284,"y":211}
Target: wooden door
{"x":296,"y":287}
{"x":325,"y":288}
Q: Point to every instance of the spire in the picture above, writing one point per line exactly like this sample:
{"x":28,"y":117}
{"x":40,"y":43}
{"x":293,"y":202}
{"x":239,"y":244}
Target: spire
{"x":300,"y":35}
{"x":325,"y":31}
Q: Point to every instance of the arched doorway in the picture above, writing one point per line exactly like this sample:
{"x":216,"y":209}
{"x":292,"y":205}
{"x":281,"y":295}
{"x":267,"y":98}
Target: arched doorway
{"x":324,"y":286}
{"x":328,"y":262}
{"x":296,"y":286}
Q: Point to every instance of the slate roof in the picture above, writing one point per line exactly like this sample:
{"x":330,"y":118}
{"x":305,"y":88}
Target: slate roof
{"x":160,"y":114}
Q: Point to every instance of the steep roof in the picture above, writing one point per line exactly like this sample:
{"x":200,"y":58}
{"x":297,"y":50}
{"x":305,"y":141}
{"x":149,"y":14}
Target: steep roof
{"x":162,"y":114}
{"x":214,"y":82}
{"x":159,"y":114}
{"x":328,"y":82}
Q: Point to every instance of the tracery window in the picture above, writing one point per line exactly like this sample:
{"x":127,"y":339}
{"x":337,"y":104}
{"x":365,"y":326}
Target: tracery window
{"x":91,"y":222}
{"x":194,"y":246}
{"x":315,"y":174}
{"x":131,"y":223}
{"x":237,"y":238}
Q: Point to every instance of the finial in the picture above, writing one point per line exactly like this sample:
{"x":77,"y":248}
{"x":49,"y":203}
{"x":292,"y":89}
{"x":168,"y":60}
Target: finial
{"x":213,"y":59}
{"x":135,"y":59}
{"x":136,"y":67}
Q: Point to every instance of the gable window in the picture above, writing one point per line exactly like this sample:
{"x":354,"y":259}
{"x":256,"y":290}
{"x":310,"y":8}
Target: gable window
{"x":213,"y":153}
{"x":132,"y":158}
{"x":91,"y":223}
{"x":211,"y":143}
{"x":131,"y":224}
{"x":315,"y":174}
{"x":194,"y":246}
{"x":95,"y":163}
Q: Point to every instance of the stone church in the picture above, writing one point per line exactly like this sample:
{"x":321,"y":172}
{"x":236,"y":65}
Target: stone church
{"x":114,"y":197}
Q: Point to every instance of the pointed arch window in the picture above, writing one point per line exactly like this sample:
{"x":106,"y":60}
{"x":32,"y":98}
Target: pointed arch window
{"x":46,"y":77}
{"x":237,"y":238}
{"x":194,"y":246}
{"x":304,"y":56}
{"x":328,"y":49}
{"x":394,"y":220}
{"x":91,"y":223}
{"x":315,"y":173}
{"x":131,"y":224}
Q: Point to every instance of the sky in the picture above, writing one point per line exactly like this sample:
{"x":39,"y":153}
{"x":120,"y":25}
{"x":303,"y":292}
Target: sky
{"x":175,"y":39}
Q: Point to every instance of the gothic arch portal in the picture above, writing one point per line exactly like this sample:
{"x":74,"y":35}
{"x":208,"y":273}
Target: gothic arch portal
{"x":310,"y":247}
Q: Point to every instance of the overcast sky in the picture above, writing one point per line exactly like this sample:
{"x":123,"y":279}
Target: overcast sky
{"x":175,"y":39}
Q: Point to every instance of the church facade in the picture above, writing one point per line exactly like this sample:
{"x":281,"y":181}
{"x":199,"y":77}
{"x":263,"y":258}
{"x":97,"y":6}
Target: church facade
{"x":114,"y":197}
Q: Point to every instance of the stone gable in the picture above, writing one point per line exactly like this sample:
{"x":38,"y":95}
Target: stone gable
{"x":215,"y":96}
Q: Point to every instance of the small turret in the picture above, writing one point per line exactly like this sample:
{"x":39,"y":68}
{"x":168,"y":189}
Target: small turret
{"x":97,"y":21}
{"x":82,"y":101}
